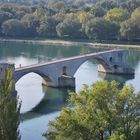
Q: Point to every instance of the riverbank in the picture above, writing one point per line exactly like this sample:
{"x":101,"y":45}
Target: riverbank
{"x":68,"y":43}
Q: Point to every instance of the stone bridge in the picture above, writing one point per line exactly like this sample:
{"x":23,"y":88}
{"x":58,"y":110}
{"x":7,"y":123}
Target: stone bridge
{"x":60,"y":73}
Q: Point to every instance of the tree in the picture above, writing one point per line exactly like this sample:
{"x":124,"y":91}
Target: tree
{"x":47,"y":27}
{"x":70,"y":27}
{"x":31,"y":23}
{"x":41,"y":12}
{"x":99,"y":113}
{"x":98,"y":11}
{"x":57,"y":5}
{"x":5,"y":16}
{"x":108,"y":4}
{"x":9,"y":110}
{"x":117,"y":15}
{"x":132,"y":5}
{"x":100,"y":29}
{"x":135,"y":16}
{"x":130,"y":30}
{"x":83,"y":17}
{"x":16,"y":10}
{"x":13,"y":27}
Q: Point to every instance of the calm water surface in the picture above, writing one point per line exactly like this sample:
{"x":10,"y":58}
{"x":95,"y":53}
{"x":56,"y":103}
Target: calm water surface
{"x":41,"y":104}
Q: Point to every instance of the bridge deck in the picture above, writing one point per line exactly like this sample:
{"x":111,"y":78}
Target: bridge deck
{"x":66,"y":59}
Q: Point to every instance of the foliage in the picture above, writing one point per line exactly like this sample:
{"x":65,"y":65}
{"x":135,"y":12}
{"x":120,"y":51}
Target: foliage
{"x":109,"y":4}
{"x":31,"y":23}
{"x":50,"y":19}
{"x":101,"y":112}
{"x":117,"y":15}
{"x":13,"y":27}
{"x":70,"y":27}
{"x":5,"y":16}
{"x":130,"y":30}
{"x":135,"y":16}
{"x":132,"y":4}
{"x":100,"y":29}
{"x":9,"y":112}
{"x":98,"y":11}
{"x":47,"y":28}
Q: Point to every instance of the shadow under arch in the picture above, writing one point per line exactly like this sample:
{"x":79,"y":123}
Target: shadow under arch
{"x":53,"y":100}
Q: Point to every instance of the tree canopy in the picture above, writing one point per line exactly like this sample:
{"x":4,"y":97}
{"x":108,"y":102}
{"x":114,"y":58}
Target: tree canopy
{"x":72,"y":19}
{"x":9,"y":109}
{"x":100,"y":112}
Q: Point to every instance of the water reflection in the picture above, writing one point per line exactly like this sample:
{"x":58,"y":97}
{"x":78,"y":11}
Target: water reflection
{"x":53,"y":101}
{"x":121,"y":79}
{"x":42,"y":52}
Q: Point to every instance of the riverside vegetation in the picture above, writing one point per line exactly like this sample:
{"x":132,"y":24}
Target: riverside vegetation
{"x":104,"y":20}
{"x":102,"y":112}
{"x":9,"y":110}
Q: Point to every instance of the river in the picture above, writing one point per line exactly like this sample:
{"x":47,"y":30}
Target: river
{"x":41,"y":104}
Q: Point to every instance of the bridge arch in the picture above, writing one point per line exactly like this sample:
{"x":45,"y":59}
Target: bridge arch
{"x":100,"y":60}
{"x":45,"y":77}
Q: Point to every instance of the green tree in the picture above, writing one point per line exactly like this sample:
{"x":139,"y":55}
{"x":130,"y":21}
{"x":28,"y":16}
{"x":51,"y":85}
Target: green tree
{"x":41,"y":12}
{"x":130,"y":30}
{"x":98,"y":11}
{"x":70,"y":27}
{"x":99,"y":113}
{"x":5,"y":16}
{"x":18,"y":11}
{"x":100,"y":29}
{"x":13,"y":27}
{"x":31,"y":23}
{"x":108,"y":4}
{"x":132,"y":5}
{"x":135,"y":16}
{"x":57,"y":5}
{"x":9,"y":110}
{"x":47,"y":27}
{"x":117,"y":15}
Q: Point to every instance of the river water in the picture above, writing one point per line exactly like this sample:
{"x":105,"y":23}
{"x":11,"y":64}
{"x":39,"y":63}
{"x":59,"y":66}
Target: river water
{"x":41,"y":104}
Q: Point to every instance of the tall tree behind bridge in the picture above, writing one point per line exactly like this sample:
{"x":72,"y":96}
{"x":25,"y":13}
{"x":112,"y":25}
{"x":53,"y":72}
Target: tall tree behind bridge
{"x":9,"y":109}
